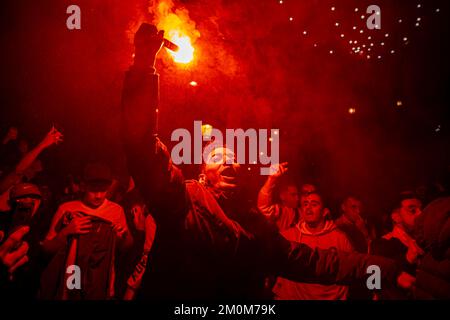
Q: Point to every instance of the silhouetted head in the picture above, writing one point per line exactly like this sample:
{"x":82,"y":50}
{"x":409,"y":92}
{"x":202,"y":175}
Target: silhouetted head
{"x":97,"y":179}
{"x":351,"y":207}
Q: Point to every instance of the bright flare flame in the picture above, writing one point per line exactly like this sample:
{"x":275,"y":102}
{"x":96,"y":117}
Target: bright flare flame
{"x":178,"y":28}
{"x":185,"y":53}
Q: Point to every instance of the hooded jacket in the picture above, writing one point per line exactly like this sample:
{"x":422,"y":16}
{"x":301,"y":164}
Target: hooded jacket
{"x":328,"y":237}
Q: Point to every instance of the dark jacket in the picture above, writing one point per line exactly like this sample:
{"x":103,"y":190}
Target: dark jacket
{"x":396,"y":250}
{"x":207,"y":247}
{"x":433,"y":234}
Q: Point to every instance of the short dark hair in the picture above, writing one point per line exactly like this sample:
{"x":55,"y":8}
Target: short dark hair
{"x":322,"y":198}
{"x":405,"y":195}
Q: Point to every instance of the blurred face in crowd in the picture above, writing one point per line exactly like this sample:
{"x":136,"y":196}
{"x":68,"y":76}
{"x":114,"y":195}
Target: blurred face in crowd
{"x":94,"y":197}
{"x":352,"y":208}
{"x":74,"y":187}
{"x":220,"y":174}
{"x":408,"y":212}
{"x":308,"y":188}
{"x":13,"y":133}
{"x":289,"y":196}
{"x":313,"y":211}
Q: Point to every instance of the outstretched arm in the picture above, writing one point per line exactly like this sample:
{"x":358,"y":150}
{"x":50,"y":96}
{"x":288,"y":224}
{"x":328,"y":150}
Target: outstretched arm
{"x":298,"y":262}
{"x":301,"y":263}
{"x":148,"y":160}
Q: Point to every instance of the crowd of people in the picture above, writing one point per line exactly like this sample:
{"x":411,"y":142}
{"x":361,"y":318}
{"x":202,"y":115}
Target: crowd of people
{"x":161,"y":236}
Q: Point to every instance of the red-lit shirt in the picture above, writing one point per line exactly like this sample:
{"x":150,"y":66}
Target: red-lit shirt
{"x":108,"y":210}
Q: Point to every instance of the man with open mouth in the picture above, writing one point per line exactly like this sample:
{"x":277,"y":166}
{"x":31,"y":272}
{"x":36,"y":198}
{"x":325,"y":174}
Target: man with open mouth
{"x":210,"y":242}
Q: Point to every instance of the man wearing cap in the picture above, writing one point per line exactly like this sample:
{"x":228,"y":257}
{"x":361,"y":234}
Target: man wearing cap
{"x":24,"y":202}
{"x":96,"y":181}
{"x":27,"y":167}
{"x":27,"y":212}
{"x":25,"y":196}
{"x":76,"y":221}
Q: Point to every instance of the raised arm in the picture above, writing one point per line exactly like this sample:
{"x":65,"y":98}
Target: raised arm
{"x":265,"y":196}
{"x":148,"y":160}
{"x":53,"y":137}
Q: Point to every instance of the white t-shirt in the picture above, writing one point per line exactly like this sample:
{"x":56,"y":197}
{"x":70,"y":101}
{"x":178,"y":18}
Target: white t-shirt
{"x":108,"y":210}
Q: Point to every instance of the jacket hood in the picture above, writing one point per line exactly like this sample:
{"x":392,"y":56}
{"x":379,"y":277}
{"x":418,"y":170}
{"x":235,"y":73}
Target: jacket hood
{"x":329,"y":226}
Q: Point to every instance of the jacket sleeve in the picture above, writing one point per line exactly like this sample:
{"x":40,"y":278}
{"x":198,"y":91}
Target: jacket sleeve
{"x":303,"y":264}
{"x":433,"y":278}
{"x":159,"y":181}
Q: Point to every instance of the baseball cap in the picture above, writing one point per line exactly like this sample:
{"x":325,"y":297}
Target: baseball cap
{"x":97,"y":176}
{"x":23,"y":190}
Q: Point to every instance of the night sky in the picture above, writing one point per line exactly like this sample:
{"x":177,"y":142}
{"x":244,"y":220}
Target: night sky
{"x":258,"y":64}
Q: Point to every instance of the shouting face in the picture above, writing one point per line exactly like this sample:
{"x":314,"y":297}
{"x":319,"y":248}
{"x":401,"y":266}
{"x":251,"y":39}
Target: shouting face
{"x":313,"y":211}
{"x":221,"y":169}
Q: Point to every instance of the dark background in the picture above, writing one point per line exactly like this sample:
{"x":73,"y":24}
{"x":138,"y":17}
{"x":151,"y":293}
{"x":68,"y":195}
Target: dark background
{"x":255,"y":69}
